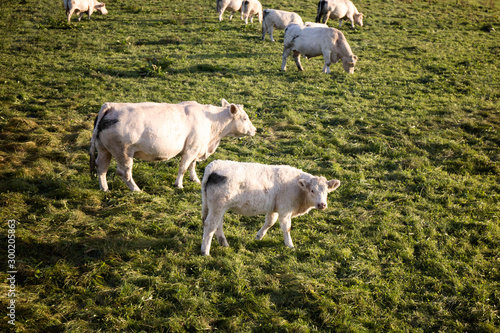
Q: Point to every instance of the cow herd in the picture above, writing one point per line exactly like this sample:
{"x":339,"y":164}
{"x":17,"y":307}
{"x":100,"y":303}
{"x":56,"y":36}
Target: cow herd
{"x":160,"y":131}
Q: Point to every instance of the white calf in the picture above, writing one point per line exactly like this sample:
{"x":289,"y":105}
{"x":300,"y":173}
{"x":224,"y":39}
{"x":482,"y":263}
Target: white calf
{"x":315,"y":39}
{"x":249,"y":8}
{"x":278,"y":19}
{"x":279,"y":191}
{"x":83,"y":6}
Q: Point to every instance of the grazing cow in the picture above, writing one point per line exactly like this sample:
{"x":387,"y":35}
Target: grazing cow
{"x":230,"y":5}
{"x":279,"y":191}
{"x":82,"y":6}
{"x":339,"y":9}
{"x":315,"y":40}
{"x":158,"y":132}
{"x":249,"y":8}
{"x":278,"y":19}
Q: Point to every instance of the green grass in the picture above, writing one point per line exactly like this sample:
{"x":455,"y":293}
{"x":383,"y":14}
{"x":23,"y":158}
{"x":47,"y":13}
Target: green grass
{"x":410,"y":241}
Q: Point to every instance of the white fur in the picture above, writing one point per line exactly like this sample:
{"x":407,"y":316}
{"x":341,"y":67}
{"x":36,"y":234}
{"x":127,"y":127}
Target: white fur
{"x":83,"y":6}
{"x":278,"y":19}
{"x":339,"y":9}
{"x":229,"y":5}
{"x":279,"y":191}
{"x":249,"y":8}
{"x":159,"y":131}
{"x":314,"y":40}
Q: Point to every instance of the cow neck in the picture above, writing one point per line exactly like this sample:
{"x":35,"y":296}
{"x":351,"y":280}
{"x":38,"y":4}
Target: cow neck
{"x":219,"y":129}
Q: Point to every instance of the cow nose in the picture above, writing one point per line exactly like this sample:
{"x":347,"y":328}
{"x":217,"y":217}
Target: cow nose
{"x":321,"y":205}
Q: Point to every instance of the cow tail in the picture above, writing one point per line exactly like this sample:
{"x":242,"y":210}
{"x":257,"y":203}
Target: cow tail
{"x":105,"y":107}
{"x":321,"y":4}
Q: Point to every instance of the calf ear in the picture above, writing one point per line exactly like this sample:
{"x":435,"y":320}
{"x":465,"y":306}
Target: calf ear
{"x":224,"y":102}
{"x":233,"y":109}
{"x":303,"y":184}
{"x":333,"y":184}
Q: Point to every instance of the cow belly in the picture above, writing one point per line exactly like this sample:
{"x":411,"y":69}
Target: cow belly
{"x":158,"y":152}
{"x":254,"y":204}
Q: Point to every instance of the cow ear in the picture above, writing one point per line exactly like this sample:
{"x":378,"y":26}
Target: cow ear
{"x":333,"y":184}
{"x":224,"y":102}
{"x":303,"y":184}
{"x":233,"y":109}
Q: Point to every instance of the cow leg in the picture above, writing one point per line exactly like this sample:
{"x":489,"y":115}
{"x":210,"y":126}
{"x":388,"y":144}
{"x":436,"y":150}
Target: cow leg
{"x":327,"y":55}
{"x":102,"y":161}
{"x":192,"y":172}
{"x":340,"y":23}
{"x":186,"y":161}
{"x":221,"y":13}
{"x":80,"y":16}
{"x":212,"y":223}
{"x":264,"y":30}
{"x":286,"y":53}
{"x":124,"y":170}
{"x":296,"y":57}
{"x":271,"y":29}
{"x":221,"y":238}
{"x":271,"y":218}
{"x":326,"y":17}
{"x":286,"y":224}
{"x":70,"y":13}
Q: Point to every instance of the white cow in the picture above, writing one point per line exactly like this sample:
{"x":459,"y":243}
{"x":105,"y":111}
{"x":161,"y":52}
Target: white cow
{"x":230,"y":5}
{"x":315,"y":40}
{"x":278,"y":19}
{"x":339,"y":9}
{"x":83,"y":6}
{"x":249,"y":8}
{"x":160,"y":131}
{"x":279,"y":191}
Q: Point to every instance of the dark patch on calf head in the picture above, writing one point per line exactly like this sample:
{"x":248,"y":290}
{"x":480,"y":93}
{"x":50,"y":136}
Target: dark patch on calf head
{"x":215,"y":179}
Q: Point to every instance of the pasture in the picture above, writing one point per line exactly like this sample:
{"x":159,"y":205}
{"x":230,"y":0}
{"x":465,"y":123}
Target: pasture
{"x":410,"y":241}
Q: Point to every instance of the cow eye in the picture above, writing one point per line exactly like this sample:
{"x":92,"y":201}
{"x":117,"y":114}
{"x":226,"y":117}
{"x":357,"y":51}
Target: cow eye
{"x":312,"y":191}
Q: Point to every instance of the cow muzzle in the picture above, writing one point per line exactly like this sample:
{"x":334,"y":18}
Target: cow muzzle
{"x":321,"y":205}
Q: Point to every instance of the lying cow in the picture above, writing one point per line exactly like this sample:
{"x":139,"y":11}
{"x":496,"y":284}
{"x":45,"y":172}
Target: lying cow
{"x":229,"y":5}
{"x":158,"y":132}
{"x":339,"y":9}
{"x":315,"y":40}
{"x":250,"y":8}
{"x":281,"y":192}
{"x":278,"y":19}
{"x":83,"y":6}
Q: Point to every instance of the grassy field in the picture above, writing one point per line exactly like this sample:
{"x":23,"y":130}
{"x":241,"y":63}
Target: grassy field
{"x":410,"y":241}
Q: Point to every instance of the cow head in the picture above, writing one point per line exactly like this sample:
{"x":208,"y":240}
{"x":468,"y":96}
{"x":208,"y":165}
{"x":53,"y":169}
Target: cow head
{"x":349,"y":62}
{"x":101,"y":7}
{"x":358,"y":18}
{"x":316,"y":190}
{"x":240,"y":124}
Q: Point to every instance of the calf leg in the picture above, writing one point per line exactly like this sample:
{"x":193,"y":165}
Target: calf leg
{"x":124,"y":170}
{"x":264,"y":30}
{"x":221,"y":238}
{"x":327,"y":55}
{"x":271,"y":29}
{"x":286,"y":53}
{"x":286,"y":224}
{"x":102,"y":161}
{"x":221,"y":13}
{"x":271,"y":218}
{"x":70,"y":13}
{"x":212,"y":223}
{"x":296,"y":57}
